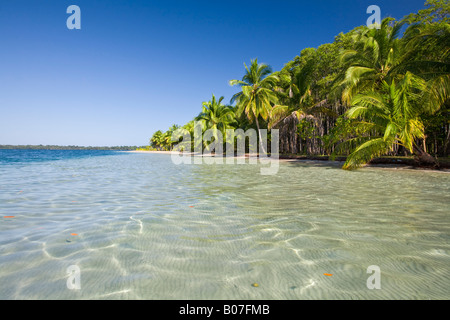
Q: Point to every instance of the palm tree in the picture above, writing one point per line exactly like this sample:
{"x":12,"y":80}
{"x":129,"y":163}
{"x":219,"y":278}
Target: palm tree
{"x":257,"y":95}
{"x":373,"y":60}
{"x":296,"y":95}
{"x":393,"y":111}
{"x":217,"y":116}
{"x":428,"y":47}
{"x":189,"y":127}
{"x":163,"y":140}
{"x":167,"y":137}
{"x":380,"y":57}
{"x":156,"y":139}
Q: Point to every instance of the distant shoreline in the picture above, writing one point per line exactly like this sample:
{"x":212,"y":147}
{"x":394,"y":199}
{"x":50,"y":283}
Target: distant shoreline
{"x":55,"y":147}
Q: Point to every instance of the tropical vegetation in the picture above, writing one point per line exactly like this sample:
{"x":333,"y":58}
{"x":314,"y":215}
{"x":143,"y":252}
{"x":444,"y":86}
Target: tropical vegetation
{"x":375,"y":91}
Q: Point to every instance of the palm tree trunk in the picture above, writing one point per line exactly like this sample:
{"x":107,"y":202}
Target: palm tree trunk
{"x":424,"y":158}
{"x":447,"y":143}
{"x":425,"y":143}
{"x":260,"y":138}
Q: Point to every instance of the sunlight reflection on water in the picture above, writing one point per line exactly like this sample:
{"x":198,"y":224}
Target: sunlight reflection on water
{"x":148,"y":229}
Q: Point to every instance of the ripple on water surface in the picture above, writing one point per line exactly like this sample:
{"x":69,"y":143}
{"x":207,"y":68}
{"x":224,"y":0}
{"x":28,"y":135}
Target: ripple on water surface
{"x":140,"y":227}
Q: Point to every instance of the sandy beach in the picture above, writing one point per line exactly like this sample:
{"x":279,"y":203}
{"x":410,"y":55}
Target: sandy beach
{"x":379,"y":163}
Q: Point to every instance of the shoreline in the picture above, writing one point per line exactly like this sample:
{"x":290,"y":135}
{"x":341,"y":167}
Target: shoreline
{"x":404,"y":163}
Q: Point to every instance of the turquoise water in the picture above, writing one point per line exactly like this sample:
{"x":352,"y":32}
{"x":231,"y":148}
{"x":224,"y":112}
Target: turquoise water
{"x":149,"y":229}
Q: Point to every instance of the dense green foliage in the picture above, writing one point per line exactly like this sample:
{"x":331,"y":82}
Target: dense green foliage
{"x":162,"y":140}
{"x":372,"y":92}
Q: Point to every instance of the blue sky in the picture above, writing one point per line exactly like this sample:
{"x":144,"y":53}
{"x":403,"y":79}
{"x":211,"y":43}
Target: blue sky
{"x":139,"y":66}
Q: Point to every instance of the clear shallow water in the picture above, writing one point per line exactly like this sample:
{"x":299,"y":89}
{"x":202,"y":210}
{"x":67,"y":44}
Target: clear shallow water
{"x":149,"y":229}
